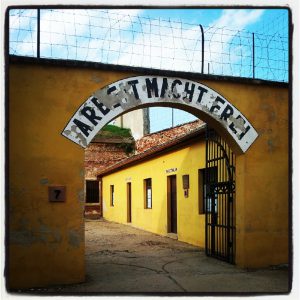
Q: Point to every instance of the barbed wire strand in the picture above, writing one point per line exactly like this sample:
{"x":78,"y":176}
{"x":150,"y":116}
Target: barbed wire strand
{"x":109,"y":36}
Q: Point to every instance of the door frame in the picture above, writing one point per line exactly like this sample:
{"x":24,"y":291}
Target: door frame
{"x":129,"y":202}
{"x":169,"y":208}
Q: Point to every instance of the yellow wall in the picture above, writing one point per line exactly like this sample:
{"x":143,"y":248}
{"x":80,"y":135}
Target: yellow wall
{"x":262,"y":174}
{"x":190,"y":224}
{"x":46,"y":240}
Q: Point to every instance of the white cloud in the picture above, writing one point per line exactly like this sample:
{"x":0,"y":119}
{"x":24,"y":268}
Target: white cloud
{"x":22,"y":33}
{"x":229,"y":49}
{"x":237,"y":18}
{"x":166,"y":46}
{"x":123,"y":37}
{"x":21,"y":17}
{"x":176,"y":48}
{"x":69,"y":33}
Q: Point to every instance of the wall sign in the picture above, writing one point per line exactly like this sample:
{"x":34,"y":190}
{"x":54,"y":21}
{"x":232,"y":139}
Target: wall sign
{"x":185,"y":182}
{"x":57,"y":193}
{"x":131,"y":93}
{"x":171,"y":170}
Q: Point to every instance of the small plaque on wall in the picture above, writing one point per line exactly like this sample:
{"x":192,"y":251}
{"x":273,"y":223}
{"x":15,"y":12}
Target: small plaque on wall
{"x":57,"y":193}
{"x":186,"y":182}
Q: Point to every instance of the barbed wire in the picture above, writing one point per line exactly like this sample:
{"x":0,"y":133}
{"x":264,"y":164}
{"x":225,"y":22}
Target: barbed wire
{"x":277,"y":25}
{"x":122,"y":37}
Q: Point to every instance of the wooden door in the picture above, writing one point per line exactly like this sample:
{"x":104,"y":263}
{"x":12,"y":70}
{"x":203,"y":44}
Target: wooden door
{"x":129,"y":202}
{"x":173,"y":204}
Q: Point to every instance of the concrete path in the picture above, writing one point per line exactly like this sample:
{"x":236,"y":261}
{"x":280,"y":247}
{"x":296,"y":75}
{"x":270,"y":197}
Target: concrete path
{"x":123,"y":259}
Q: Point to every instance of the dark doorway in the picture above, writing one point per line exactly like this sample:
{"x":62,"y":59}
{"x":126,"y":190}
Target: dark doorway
{"x":92,"y":191}
{"x":129,"y":202}
{"x":172,"y":204}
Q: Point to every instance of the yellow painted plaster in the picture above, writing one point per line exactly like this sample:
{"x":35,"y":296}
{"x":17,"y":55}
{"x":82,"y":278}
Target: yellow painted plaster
{"x":46,"y":240}
{"x":190,"y":224}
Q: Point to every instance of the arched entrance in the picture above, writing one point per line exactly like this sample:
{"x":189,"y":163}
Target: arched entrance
{"x":143,"y":91}
{"x":136,"y":92}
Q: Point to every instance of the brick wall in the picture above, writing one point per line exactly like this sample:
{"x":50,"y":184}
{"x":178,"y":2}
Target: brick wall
{"x":99,"y":156}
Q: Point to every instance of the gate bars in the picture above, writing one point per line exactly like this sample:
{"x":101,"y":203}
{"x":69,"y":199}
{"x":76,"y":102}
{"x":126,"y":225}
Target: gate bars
{"x":219,"y":193}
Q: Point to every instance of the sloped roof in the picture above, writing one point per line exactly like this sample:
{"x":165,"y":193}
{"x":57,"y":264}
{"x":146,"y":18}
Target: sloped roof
{"x":152,"y":152}
{"x":159,"y":137}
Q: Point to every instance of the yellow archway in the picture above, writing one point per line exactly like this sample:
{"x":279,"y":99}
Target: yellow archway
{"x":45,"y":240}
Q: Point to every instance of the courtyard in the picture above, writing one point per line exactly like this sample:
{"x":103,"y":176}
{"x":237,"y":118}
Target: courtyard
{"x":122,"y":259}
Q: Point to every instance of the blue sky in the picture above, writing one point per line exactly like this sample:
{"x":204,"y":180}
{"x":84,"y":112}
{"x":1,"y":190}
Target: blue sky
{"x":163,"y":39}
{"x":204,"y":16}
{"x":121,"y":29}
{"x":268,"y":21}
{"x":210,"y":16}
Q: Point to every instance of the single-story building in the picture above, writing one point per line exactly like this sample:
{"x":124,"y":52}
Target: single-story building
{"x":163,"y":190}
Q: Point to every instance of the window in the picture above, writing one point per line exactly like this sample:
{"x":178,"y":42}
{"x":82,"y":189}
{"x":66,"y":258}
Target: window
{"x":112,"y":195}
{"x":92,"y":191}
{"x":148,"y":192}
{"x":205,"y":191}
{"x":201,"y":197}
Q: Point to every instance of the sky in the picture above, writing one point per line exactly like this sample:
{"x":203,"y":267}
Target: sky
{"x":267,"y":21}
{"x":162,"y":39}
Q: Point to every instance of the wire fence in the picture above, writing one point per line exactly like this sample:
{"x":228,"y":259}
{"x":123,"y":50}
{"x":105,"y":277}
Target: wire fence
{"x":122,"y":37}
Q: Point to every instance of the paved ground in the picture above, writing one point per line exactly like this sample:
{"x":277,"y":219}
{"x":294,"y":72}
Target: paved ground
{"x":121,"y":259}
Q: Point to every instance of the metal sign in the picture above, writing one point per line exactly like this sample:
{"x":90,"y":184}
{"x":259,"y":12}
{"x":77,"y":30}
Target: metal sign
{"x":127,"y":94}
{"x":57,"y":193}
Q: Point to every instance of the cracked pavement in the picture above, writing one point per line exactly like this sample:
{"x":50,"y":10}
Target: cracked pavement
{"x":122,"y":259}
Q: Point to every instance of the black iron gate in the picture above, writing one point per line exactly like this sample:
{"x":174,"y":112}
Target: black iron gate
{"x":219,"y":191}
